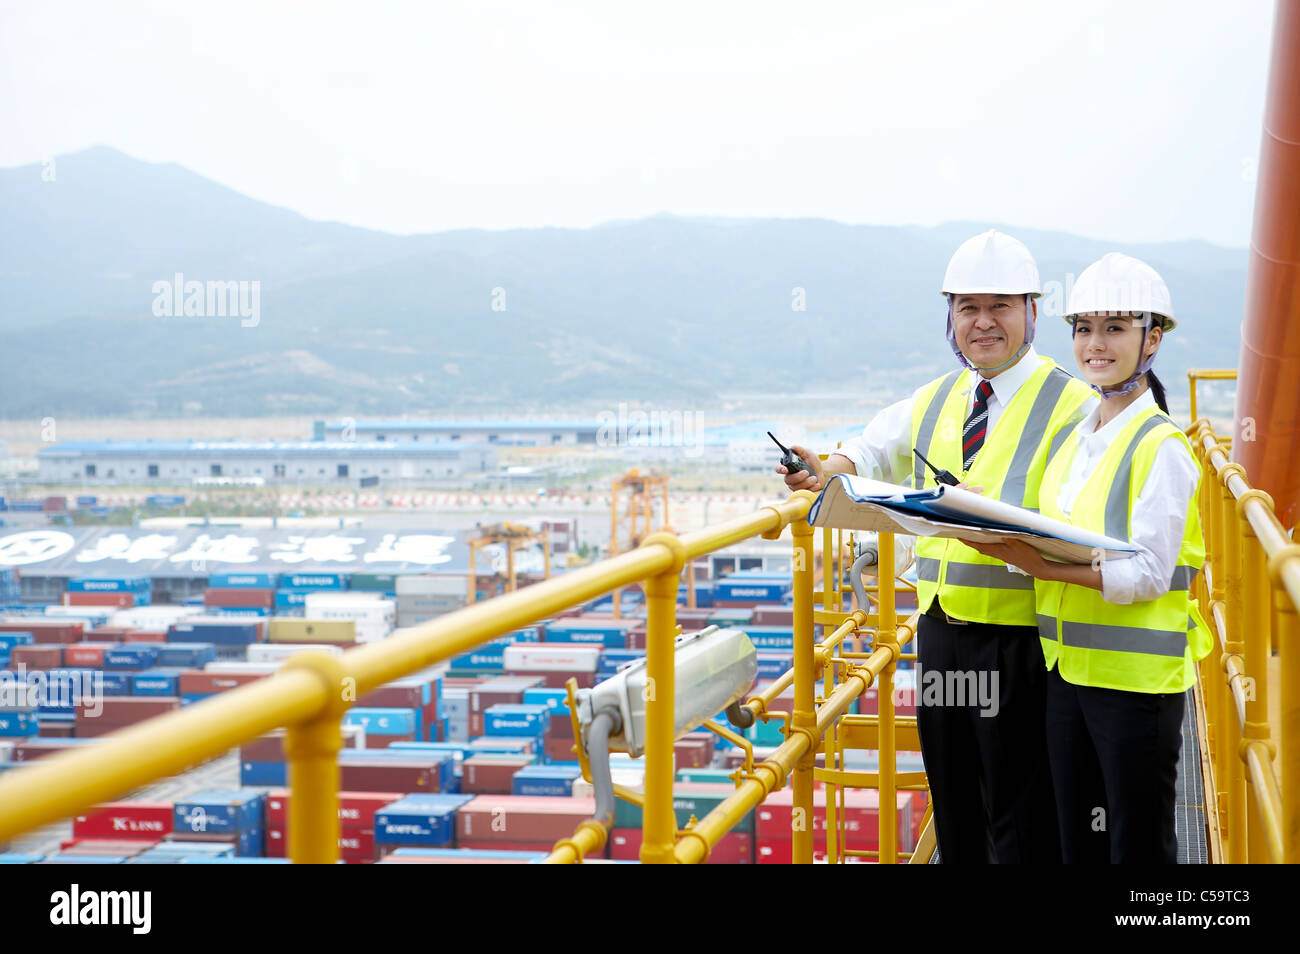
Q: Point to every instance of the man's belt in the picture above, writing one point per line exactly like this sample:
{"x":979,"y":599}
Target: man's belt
{"x":935,"y":611}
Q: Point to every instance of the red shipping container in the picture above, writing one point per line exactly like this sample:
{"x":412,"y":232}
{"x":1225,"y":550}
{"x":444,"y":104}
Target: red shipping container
{"x":356,"y":844}
{"x":46,"y":631}
{"x":89,"y":655}
{"x":773,"y":818}
{"x":104,"y":846}
{"x":121,"y":600}
{"x":36,"y":657}
{"x":694,"y":750}
{"x":734,"y":848}
{"x":54,"y":503}
{"x":561,"y":750}
{"x":95,"y":729}
{"x":210,"y":682}
{"x":356,"y":809}
{"x":782,"y":853}
{"x":370,"y":776}
{"x":126,"y":710}
{"x":561,"y":725}
{"x":556,"y":680}
{"x":270,"y":747}
{"x":145,"y":636}
{"x":453,"y":859}
{"x":56,"y":730}
{"x":490,"y":774}
{"x":773,"y":615}
{"x":136,"y":820}
{"x":544,"y":847}
{"x":235,"y":596}
{"x":904,"y":701}
{"x":401,"y":697}
{"x":33,"y":749}
{"x":112,"y":634}
{"x":521,"y":818}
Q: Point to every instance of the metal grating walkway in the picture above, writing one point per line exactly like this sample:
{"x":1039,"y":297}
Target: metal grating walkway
{"x":1189,"y":802}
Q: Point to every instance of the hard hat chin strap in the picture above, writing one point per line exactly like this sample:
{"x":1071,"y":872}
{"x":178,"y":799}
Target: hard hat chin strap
{"x":1020,"y":352}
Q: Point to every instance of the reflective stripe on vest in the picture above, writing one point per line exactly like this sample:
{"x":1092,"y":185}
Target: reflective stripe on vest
{"x":1145,"y":646}
{"x":928,"y":423}
{"x":1117,"y":499}
{"x":971,"y":586}
{"x":1040,"y":415}
{"x":1122,"y":639}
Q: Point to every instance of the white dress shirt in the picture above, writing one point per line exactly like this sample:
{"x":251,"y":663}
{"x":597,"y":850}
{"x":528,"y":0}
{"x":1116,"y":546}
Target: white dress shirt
{"x":884,"y":449}
{"x":1159,"y":512}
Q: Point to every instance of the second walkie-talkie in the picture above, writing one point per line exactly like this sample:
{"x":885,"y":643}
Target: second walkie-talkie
{"x":942,"y":476}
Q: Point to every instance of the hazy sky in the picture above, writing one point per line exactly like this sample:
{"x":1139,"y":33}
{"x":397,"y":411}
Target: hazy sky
{"x":1129,"y":120}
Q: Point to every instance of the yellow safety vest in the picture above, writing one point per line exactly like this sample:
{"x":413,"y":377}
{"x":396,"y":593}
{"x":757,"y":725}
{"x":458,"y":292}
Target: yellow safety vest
{"x":1009,"y":466}
{"x":1152,"y":646}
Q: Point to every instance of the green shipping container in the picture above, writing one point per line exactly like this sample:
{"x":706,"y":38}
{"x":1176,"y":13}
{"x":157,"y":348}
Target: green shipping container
{"x":693,"y":798}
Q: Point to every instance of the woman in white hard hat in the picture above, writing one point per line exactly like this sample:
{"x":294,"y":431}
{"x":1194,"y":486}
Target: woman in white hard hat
{"x":1121,"y":637}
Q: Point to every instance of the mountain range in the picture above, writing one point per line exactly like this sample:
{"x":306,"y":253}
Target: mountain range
{"x":352,"y":321}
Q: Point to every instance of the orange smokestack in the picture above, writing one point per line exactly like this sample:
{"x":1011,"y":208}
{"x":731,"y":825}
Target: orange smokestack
{"x":1268,"y":390}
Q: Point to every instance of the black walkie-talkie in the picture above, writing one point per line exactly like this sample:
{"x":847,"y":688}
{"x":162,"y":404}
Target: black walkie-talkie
{"x":942,"y":476}
{"x":791,"y":461}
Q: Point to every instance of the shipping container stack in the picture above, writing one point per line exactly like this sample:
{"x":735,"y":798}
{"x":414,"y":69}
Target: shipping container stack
{"x":472,"y":762}
{"x":120,"y":592}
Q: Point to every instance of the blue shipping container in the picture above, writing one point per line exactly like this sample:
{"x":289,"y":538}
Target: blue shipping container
{"x":313,"y":581}
{"x":130,"y":656}
{"x":159,"y":681}
{"x":218,"y":811}
{"x":263,"y":773}
{"x":419,"y":820}
{"x":186,"y":655}
{"x":224,"y":633}
{"x":506,"y":719}
{"x":384,"y":721}
{"x":236,"y":580}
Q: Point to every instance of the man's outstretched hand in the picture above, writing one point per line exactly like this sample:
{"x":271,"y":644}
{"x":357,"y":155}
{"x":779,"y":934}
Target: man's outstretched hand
{"x":810,"y":479}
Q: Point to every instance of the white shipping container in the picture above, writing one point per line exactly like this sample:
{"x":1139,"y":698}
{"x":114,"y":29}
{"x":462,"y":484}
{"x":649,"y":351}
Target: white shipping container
{"x":552,"y":657}
{"x":421,"y":585}
{"x":279,"y":652}
{"x":152,"y":617}
{"x":238,"y":666}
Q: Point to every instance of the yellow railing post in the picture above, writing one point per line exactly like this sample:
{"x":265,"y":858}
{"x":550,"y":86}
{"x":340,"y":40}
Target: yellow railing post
{"x":659,"y":823}
{"x":1287,"y":627}
{"x":804,"y":716}
{"x":312,"y":749}
{"x":887,"y":636}
{"x":1238,"y":823}
{"x":1255,"y":620}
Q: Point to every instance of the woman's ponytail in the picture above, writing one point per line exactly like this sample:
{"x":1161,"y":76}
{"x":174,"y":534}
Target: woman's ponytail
{"x":1157,"y":391}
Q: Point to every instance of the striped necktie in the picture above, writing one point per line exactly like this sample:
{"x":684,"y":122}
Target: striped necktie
{"x":972,"y":435}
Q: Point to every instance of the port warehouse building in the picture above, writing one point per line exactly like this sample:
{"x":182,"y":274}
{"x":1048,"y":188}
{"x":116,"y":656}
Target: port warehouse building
{"x":517,"y":433}
{"x":340,"y":461}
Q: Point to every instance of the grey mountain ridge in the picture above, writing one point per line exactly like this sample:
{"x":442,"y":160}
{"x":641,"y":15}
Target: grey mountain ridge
{"x":355,"y":321}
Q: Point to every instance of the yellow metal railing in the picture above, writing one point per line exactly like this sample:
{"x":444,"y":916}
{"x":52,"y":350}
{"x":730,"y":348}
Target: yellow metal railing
{"x":1249,"y":592}
{"x":310,"y":693}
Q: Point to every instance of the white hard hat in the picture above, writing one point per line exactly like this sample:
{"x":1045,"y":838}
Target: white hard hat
{"x":991,"y":263}
{"x":1120,"y":283}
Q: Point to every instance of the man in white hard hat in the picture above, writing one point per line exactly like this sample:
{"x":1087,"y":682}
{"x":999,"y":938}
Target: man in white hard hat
{"x":992,"y":425}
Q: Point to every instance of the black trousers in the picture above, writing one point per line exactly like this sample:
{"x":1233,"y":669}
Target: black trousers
{"x":1114,"y":758}
{"x":987,"y":763}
